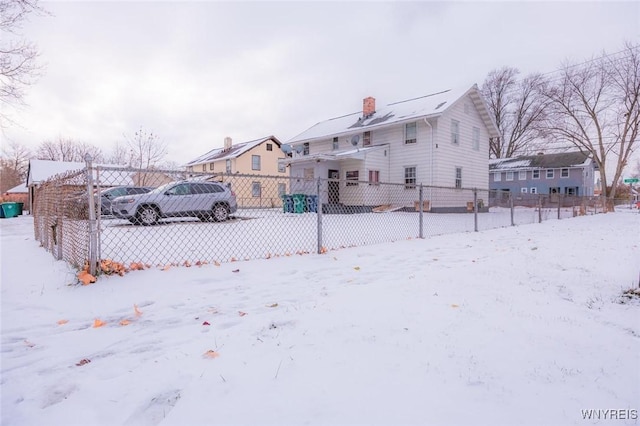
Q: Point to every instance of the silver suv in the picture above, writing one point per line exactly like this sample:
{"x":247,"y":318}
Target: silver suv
{"x":204,"y":200}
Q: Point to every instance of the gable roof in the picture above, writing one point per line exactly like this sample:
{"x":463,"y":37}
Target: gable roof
{"x":19,"y":189}
{"x":235,"y":151}
{"x":541,"y":161}
{"x":431,"y":105}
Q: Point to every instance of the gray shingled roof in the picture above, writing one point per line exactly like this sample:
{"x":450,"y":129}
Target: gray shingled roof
{"x":541,"y":161}
{"x":235,"y":151}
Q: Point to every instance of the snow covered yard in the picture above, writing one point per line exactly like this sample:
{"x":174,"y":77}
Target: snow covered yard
{"x":518,"y":325}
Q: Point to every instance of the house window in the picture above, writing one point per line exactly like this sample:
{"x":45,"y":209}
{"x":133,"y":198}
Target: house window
{"x":409,"y":177}
{"x":570,"y":190}
{"x":549,"y":173}
{"x":509,"y":175}
{"x":305,"y":148}
{"x":256,"y":190}
{"x":523,"y":190}
{"x":282,"y":189}
{"x":522,"y":175}
{"x":269,"y":147}
{"x":308,"y":174}
{"x":410,"y":133}
{"x":204,"y":167}
{"x":352,"y":175}
{"x":228,"y":166}
{"x":281,"y":166}
{"x":535,"y":174}
{"x":255,"y":162}
{"x":210,"y":166}
{"x":366,"y":139}
{"x":533,"y":190}
{"x":374,"y":177}
{"x":497,"y":176}
{"x":564,"y":173}
{"x":336,"y":145}
{"x":458,"y":177}
{"x":190,"y":168}
{"x":455,"y":132}
{"x":476,"y":139}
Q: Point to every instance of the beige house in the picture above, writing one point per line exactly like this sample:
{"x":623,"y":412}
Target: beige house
{"x":251,"y":168}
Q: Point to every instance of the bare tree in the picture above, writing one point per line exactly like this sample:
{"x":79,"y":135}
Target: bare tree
{"x":16,"y":156}
{"x":596,"y":107}
{"x":120,"y":154}
{"x":18,"y":57}
{"x":518,"y":109}
{"x":147,"y":151}
{"x":9,"y":176}
{"x":67,"y":150}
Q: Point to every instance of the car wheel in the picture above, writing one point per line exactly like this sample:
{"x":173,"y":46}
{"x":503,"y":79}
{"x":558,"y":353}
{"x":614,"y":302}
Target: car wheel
{"x":147,"y":216}
{"x":220,"y":212}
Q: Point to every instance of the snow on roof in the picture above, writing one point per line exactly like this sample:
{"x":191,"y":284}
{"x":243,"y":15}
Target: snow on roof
{"x":235,"y":151}
{"x":42,"y":170}
{"x":411,"y":109}
{"x":541,"y":161}
{"x":19,"y":189}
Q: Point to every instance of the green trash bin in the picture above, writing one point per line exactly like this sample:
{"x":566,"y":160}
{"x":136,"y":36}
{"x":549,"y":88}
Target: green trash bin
{"x":299,"y":201}
{"x":10,"y":209}
{"x":287,"y":203}
{"x":20,"y":207}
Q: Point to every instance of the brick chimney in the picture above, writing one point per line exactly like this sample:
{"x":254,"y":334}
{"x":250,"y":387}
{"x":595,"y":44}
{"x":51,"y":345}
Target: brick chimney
{"x":368,"y":107}
{"x":227,"y":143}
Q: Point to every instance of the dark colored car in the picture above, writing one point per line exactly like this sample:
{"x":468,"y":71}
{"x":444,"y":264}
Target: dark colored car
{"x":107,"y":195}
{"x":201,"y":199}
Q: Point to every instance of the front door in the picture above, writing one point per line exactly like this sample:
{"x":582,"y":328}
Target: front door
{"x":334,"y":187}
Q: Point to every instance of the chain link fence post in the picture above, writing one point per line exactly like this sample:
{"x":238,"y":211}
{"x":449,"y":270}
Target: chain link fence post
{"x":93,"y":231}
{"x":539,"y":208}
{"x":319,"y":214}
{"x":421,"y":212}
{"x":475,"y":209}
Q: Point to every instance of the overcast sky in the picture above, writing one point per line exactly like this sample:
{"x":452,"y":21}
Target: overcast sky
{"x":195,"y":72}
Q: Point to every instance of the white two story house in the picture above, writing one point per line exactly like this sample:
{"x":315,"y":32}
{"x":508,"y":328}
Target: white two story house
{"x":437,"y":140}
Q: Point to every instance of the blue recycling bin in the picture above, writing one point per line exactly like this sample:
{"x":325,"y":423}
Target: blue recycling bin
{"x":299,"y":203}
{"x":312,"y":203}
{"x":287,"y":203}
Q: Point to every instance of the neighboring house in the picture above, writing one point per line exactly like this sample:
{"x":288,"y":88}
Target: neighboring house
{"x":568,"y":174}
{"x":17,"y":194}
{"x":253,"y":158}
{"x":440,"y":139}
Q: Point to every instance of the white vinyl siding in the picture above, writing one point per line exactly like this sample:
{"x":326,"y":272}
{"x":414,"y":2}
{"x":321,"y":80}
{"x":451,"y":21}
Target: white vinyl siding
{"x":476,"y":139}
{"x":455,"y":132}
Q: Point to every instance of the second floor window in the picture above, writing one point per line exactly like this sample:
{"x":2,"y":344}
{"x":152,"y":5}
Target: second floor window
{"x":210,"y":166}
{"x":204,"y":167}
{"x":522,"y":175}
{"x":564,"y":173}
{"x":269,"y":147}
{"x":476,"y":139}
{"x":509,"y":175}
{"x":305,"y":148}
{"x":535,"y":174}
{"x":255,"y":162}
{"x":366,"y":139}
{"x":228,"y":166}
{"x":455,"y":132}
{"x":410,"y":133}
{"x":281,"y":166}
{"x":335,"y":144}
{"x":549,"y":173}
{"x":497,"y":177}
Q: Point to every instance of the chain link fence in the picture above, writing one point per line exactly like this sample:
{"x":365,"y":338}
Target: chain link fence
{"x":202,"y":218}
